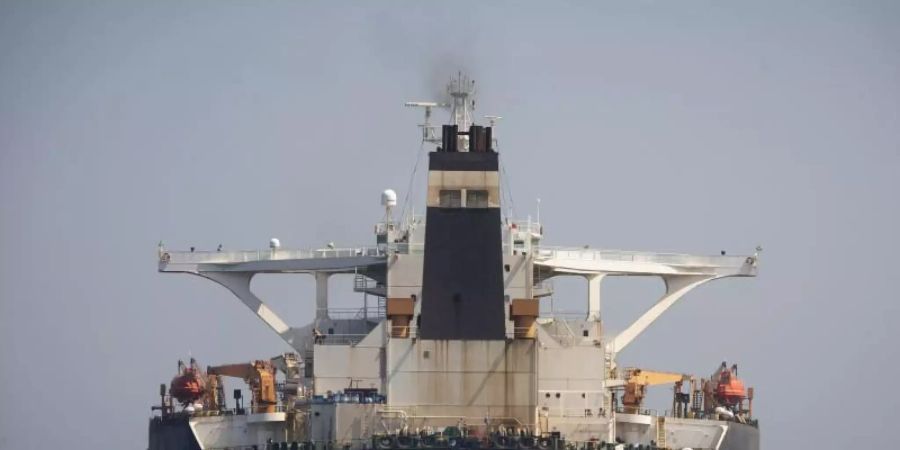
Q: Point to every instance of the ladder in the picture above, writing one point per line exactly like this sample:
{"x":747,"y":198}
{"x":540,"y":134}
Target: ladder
{"x":360,"y":282}
{"x":661,"y":432}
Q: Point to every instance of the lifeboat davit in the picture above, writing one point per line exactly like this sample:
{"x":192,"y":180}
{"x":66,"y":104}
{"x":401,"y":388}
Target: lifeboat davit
{"x":730,"y":389}
{"x":186,"y":388}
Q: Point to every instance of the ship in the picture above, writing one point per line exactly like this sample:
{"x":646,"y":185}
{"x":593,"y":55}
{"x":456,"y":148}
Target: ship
{"x":452,"y":345}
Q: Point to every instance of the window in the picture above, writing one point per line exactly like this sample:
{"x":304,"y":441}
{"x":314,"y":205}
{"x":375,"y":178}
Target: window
{"x":476,"y":198}
{"x":451,"y":199}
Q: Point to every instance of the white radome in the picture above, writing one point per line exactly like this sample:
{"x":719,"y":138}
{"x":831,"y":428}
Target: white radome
{"x":388,"y":198}
{"x":274,"y":243}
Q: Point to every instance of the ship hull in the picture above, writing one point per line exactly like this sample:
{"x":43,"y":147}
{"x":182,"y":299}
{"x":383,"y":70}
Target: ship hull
{"x":740,"y":437}
{"x":172,"y":433}
{"x":180,"y":432}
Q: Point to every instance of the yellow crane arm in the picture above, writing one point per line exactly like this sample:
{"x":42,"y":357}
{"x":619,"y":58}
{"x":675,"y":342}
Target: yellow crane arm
{"x":637,"y":381}
{"x":232,"y":370}
{"x":259,"y":376}
{"x":651,"y":377}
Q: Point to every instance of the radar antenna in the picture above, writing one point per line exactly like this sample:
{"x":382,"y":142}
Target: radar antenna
{"x":426,"y":126}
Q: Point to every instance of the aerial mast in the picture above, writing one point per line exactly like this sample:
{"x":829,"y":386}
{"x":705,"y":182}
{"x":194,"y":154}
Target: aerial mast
{"x":461,"y":96}
{"x":462,"y":93}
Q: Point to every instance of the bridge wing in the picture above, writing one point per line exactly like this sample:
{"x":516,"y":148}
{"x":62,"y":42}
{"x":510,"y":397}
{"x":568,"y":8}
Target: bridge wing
{"x":344,"y":260}
{"x":586,"y":261}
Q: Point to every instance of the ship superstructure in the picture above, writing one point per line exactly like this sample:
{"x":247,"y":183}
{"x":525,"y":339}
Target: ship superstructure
{"x":450,"y":349}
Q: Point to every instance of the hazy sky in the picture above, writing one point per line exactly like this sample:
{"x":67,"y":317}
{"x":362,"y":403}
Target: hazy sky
{"x":695,"y":127}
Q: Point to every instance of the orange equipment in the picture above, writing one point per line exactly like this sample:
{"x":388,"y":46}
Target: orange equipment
{"x":725,"y":389}
{"x":729,"y":388}
{"x":189,"y":385}
{"x":260,"y":376}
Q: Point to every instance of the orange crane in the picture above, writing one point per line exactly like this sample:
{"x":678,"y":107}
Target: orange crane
{"x":259,"y":375}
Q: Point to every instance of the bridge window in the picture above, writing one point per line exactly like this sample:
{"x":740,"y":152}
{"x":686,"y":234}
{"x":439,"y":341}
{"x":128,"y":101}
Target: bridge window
{"x":451,"y":198}
{"x":476,"y":198}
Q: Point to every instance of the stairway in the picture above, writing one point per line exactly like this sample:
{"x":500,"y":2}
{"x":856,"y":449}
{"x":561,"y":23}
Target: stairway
{"x":661,"y":432}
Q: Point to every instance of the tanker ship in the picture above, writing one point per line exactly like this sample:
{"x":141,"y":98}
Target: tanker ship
{"x":453,"y":345}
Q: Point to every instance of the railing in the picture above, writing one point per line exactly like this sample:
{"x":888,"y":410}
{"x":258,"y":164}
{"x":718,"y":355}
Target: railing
{"x":265,"y":255}
{"x":541,"y":253}
{"x":362,"y":283}
{"x":677,"y":259}
{"x":574,"y":412}
{"x":527,"y":226}
{"x":257,"y":409}
{"x":242,"y":256}
{"x":339,"y":339}
{"x":486,"y":442}
{"x":401,"y":225}
{"x":543,"y":288}
{"x":411,"y":332}
{"x":638,"y":411}
{"x":560,"y":329}
{"x":564,"y":315}
{"x":406,"y":248}
{"x":404,"y":332}
{"x":372,"y":312}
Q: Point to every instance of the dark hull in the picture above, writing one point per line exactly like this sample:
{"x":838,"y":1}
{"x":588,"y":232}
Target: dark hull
{"x":741,"y":437}
{"x":172,"y":433}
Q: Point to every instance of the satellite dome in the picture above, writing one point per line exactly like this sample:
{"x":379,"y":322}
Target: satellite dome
{"x":274,"y":243}
{"x":388,"y":198}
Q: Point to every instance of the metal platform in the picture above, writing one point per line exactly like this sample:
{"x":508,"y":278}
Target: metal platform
{"x":337,"y":260}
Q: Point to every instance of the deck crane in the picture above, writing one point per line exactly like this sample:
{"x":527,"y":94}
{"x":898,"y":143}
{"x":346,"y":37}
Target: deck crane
{"x":259,"y":375}
{"x":637,"y":380}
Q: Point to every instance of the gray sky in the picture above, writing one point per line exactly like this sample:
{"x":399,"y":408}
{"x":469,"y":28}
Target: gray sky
{"x":692,"y":127}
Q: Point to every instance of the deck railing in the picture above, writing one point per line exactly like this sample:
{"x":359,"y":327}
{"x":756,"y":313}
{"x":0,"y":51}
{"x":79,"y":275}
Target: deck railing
{"x":541,"y":253}
{"x":212,"y":257}
{"x":677,"y":259}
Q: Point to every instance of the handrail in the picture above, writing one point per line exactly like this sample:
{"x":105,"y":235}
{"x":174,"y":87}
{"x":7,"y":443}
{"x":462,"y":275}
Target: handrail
{"x":239,"y":256}
{"x":370,"y":312}
{"x":543,"y":253}
{"x":339,"y":339}
{"x":590,"y":254}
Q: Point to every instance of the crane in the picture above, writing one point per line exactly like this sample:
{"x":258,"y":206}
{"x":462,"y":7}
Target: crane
{"x":637,"y":380}
{"x":259,"y":375}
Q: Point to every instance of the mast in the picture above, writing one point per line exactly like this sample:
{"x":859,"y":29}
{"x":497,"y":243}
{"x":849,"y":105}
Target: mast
{"x":460,"y":100}
{"x":462,"y":93}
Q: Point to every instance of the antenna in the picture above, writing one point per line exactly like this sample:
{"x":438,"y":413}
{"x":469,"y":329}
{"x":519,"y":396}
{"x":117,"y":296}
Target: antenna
{"x":389,"y":201}
{"x":462,"y":92}
{"x":427,"y":128}
{"x":493,"y":121}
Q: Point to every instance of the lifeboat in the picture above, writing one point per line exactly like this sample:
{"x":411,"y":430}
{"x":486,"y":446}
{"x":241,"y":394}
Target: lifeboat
{"x":730,"y":389}
{"x":187,"y":387}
